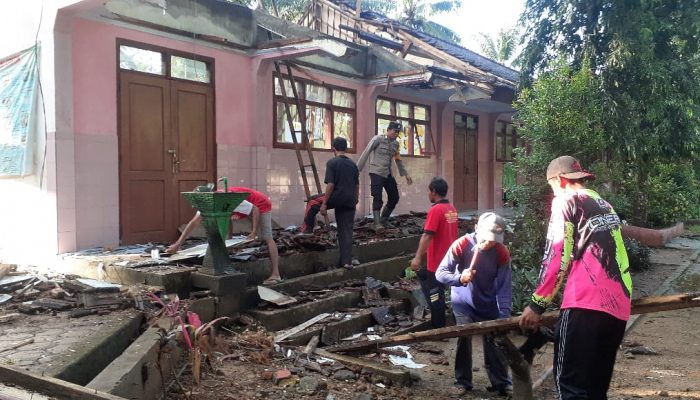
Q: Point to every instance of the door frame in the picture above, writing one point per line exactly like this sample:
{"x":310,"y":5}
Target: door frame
{"x":166,"y":54}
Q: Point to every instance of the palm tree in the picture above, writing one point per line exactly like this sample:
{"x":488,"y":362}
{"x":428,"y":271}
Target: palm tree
{"x":502,"y":48}
{"x":416,"y":14}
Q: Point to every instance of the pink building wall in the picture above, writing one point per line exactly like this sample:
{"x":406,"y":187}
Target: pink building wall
{"x":244,"y":126}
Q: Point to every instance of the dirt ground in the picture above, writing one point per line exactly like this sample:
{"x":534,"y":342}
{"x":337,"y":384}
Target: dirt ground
{"x":673,"y":373}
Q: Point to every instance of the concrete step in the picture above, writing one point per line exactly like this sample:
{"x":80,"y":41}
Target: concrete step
{"x":387,"y":270}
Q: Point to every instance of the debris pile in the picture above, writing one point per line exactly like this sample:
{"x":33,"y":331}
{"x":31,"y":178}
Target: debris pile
{"x":32,"y":292}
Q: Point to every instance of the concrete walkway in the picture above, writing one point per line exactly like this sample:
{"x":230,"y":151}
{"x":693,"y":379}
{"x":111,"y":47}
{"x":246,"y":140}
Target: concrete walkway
{"x":56,"y":339}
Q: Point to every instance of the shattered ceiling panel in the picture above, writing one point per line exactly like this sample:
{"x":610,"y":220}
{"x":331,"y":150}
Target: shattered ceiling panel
{"x":208,"y":18}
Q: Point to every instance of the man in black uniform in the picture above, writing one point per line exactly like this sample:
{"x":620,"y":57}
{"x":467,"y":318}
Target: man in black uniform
{"x":342,"y":193}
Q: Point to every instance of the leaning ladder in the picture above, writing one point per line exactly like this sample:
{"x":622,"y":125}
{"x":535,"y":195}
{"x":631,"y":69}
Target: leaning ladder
{"x":304,"y":133}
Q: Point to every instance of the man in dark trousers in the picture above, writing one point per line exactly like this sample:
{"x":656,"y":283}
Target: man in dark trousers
{"x":439,"y":232}
{"x":384,"y":149}
{"x":342,"y":193}
{"x":584,"y":249}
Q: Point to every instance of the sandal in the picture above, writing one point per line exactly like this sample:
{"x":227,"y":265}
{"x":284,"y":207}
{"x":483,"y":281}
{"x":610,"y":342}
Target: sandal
{"x":271,"y":281}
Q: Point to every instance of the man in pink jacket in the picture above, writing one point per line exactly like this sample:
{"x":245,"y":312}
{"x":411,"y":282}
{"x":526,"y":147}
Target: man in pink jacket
{"x":585,"y":248}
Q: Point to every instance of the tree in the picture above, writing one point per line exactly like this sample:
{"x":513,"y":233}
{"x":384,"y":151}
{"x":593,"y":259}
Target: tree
{"x":502,"y":48}
{"x":645,"y":56}
{"x":417,"y":13}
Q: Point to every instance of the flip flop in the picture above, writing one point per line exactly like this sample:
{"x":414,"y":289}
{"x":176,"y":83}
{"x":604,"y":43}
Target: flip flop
{"x":271,"y":281}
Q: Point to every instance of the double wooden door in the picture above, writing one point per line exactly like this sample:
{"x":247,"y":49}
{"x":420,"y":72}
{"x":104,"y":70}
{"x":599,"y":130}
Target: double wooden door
{"x":166,"y":146}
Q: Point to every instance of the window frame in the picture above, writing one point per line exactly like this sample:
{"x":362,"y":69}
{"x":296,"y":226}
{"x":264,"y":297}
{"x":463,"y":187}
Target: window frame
{"x":429,"y":150}
{"x":166,"y":53}
{"x":329,"y":107}
{"x":503,"y":134}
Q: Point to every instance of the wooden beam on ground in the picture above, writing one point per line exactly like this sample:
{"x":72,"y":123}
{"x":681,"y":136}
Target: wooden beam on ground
{"x":397,"y":375}
{"x":48,"y":386}
{"x":294,"y":330}
{"x":639,"y":306}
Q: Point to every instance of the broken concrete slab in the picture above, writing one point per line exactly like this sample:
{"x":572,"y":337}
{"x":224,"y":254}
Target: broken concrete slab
{"x":135,"y":373}
{"x":275,"y":297}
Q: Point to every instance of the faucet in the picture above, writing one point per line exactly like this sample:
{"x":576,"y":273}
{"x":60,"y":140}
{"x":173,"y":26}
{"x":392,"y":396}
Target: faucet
{"x":225,"y":181}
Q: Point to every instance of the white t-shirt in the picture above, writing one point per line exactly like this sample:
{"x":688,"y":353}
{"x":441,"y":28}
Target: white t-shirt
{"x":245,"y":207}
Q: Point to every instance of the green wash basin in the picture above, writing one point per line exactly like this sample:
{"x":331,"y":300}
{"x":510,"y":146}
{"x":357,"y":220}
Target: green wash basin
{"x":218,"y":205}
{"x":216,"y":209}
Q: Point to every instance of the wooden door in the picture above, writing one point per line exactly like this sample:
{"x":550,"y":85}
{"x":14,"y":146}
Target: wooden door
{"x":466,"y":161}
{"x":166,"y":146}
{"x":193,"y":140}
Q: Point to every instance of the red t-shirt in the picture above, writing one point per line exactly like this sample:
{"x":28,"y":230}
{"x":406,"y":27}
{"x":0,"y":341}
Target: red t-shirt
{"x":442,"y":223}
{"x":258,"y":199}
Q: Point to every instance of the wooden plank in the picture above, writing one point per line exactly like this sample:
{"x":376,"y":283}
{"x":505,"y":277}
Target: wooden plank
{"x":300,"y":327}
{"x":312,"y":345}
{"x":56,"y":388}
{"x":640,"y":306}
{"x":398,"y":375}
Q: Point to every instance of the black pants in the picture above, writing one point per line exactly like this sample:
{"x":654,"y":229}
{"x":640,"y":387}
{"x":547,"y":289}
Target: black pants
{"x":379,"y":183}
{"x":586,"y":343}
{"x":345,"y":217}
{"x":434,"y":293}
{"x":495,"y":361}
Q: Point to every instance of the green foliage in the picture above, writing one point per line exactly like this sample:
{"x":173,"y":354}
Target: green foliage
{"x":673,"y":194}
{"x":417,"y":13}
{"x":638,"y":255}
{"x":502,"y":47}
{"x":526,"y":253}
{"x":644,"y":57}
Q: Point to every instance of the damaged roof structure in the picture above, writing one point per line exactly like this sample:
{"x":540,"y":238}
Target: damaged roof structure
{"x":146,"y":99}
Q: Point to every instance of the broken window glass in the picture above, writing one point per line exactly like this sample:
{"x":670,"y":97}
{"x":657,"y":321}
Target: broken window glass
{"x":318,"y":126}
{"x":135,"y":59}
{"x":284,"y":134}
{"x":344,"y":126}
{"x":288,"y":88}
{"x":402,"y":110}
{"x":317,"y":94}
{"x":419,"y":140}
{"x":420,"y":113}
{"x":383,"y":107}
{"x":187,"y":68}
{"x":342,"y":98}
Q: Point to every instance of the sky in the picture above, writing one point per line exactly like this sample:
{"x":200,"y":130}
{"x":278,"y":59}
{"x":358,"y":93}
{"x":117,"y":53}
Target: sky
{"x":488,"y":16}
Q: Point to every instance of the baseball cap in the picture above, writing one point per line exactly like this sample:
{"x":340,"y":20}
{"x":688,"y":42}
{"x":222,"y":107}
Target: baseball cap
{"x":395,"y":125}
{"x":491,"y":227}
{"x":567,"y":167}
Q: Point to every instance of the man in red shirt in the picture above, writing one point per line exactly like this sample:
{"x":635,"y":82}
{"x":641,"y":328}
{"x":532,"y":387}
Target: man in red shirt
{"x":258,"y":207}
{"x":439,"y":232}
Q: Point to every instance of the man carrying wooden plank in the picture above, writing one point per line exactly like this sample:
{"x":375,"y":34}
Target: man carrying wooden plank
{"x":477,"y":267}
{"x":585,"y":248}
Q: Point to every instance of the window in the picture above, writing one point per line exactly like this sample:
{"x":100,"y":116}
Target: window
{"x":135,"y":59}
{"x":506,"y":141}
{"x":415,"y":118}
{"x":162,"y":62}
{"x":329,"y":113}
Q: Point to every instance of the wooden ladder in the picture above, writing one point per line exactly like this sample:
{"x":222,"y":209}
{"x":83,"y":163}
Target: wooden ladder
{"x":301,"y":113}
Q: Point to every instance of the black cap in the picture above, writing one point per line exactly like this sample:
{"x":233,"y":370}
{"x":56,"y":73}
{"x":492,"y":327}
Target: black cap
{"x":396,"y":125}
